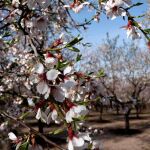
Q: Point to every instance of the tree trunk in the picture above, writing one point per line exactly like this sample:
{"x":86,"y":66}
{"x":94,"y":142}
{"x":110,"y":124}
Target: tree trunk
{"x":137,"y":112}
{"x":127,"y":120}
{"x":117,"y":109}
{"x":101,"y":113}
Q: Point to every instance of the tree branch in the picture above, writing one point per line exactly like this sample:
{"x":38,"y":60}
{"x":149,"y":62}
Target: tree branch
{"x":32,"y":130}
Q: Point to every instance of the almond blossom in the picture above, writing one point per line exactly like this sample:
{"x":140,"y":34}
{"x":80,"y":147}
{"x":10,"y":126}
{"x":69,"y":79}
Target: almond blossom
{"x":76,"y":7}
{"x":41,"y":116}
{"x":74,"y":141}
{"x":132,"y":31}
{"x":14,"y":138}
{"x":113,"y":8}
{"x":50,"y":59}
{"x":53,"y":116}
{"x":42,"y":79}
{"x":49,"y":115}
{"x":75,"y":111}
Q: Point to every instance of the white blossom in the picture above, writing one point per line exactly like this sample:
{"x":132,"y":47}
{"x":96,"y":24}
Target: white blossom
{"x":133,"y":33}
{"x":41,"y":115}
{"x":12,"y":136}
{"x":75,"y":112}
{"x":39,"y":68}
{"x":53,"y":116}
{"x":113,"y":8}
{"x":75,"y":142}
{"x":77,"y":8}
{"x":42,"y":87}
{"x":52,"y":74}
{"x":67,"y":70}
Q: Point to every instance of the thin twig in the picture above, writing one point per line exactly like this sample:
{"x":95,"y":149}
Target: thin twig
{"x":32,"y":130}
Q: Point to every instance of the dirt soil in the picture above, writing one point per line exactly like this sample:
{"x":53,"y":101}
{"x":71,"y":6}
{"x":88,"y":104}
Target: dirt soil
{"x":115,"y":137}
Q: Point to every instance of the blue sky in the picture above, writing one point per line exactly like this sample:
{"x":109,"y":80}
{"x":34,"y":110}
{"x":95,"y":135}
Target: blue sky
{"x":96,"y":32}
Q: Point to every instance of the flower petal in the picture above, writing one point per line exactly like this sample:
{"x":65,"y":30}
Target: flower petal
{"x":58,"y":94}
{"x":81,"y":110}
{"x":43,"y":117}
{"x":52,"y":74}
{"x":70,"y":145}
{"x":49,"y":118}
{"x":67,"y":70}
{"x":70,"y":115}
{"x":38,"y":115}
{"x":39,"y":68}
{"x":46,"y":96}
{"x":51,"y":60}
{"x":12,"y":136}
{"x":42,"y":87}
{"x":77,"y":142}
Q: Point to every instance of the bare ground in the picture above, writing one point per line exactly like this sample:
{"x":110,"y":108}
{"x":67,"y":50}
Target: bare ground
{"x":115,"y":137}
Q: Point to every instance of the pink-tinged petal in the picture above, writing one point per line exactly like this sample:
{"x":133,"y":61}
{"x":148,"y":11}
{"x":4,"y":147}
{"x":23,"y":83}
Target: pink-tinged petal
{"x":42,"y":87}
{"x":38,"y":115}
{"x":39,"y":68}
{"x":52,"y":74}
{"x":77,"y":142}
{"x":12,"y":136}
{"x":70,"y":145}
{"x":58,"y":94}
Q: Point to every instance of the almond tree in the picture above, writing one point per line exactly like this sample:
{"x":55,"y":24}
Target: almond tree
{"x":32,"y":42}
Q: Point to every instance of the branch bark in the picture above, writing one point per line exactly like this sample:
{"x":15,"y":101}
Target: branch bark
{"x":32,"y":130}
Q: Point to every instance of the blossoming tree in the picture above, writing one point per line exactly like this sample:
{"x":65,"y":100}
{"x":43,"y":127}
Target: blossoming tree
{"x":36,"y":79}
